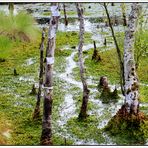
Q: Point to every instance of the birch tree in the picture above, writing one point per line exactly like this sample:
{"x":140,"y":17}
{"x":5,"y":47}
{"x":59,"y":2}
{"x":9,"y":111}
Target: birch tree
{"x":131,"y":79}
{"x":48,"y":85}
{"x":83,"y":111}
{"x":37,"y":108}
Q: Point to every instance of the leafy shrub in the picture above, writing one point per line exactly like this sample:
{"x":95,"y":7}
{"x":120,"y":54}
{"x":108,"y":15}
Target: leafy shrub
{"x":18,"y":27}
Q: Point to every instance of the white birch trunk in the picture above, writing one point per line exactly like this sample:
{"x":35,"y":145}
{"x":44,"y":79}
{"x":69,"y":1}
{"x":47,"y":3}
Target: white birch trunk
{"x":131,"y":79}
{"x":47,"y":110}
{"x":83,"y":111}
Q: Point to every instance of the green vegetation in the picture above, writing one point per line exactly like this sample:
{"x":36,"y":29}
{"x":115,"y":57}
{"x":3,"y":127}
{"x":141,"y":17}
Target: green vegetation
{"x":86,"y":130}
{"x":19,"y":27}
{"x":19,"y":41}
{"x":70,"y":38}
{"x":128,"y":130}
{"x":5,"y":46}
{"x":68,"y":13}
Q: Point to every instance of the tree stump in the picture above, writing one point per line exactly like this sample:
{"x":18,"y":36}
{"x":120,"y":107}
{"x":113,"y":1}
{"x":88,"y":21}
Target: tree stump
{"x":96,"y":55}
{"x":103,"y":82}
{"x":15,"y":72}
{"x":106,"y":94}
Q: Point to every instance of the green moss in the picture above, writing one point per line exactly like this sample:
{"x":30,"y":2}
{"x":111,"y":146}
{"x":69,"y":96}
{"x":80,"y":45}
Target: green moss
{"x":84,"y":129}
{"x":127,"y":129}
{"x":107,"y":96}
{"x":70,"y":38}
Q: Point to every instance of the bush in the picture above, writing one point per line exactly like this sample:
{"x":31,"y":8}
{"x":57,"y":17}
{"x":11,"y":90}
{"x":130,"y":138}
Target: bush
{"x":18,"y":27}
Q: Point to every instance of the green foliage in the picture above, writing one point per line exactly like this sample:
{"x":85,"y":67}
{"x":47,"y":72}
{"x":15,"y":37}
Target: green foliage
{"x":18,"y":27}
{"x":5,"y":46}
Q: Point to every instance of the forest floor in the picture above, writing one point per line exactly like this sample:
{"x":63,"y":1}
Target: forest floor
{"x":17,"y":104}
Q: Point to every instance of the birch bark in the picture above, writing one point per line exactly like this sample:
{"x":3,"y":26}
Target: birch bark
{"x":131,"y":79}
{"x":83,"y":111}
{"x":47,"y":110}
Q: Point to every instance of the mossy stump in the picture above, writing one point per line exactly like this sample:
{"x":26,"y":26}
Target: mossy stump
{"x":106,"y":95}
{"x":127,"y":126}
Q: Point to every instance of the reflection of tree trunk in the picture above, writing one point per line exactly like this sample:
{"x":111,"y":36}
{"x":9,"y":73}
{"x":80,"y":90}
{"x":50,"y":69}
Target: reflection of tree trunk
{"x":47,"y":110}
{"x":37,"y":108}
{"x":65,"y":16}
{"x":131,"y":80}
{"x":11,"y":8}
{"x":118,"y":51}
{"x":83,"y":111}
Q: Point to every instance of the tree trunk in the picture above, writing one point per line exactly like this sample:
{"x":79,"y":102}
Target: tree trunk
{"x":123,"y":7}
{"x":118,"y":51}
{"x":47,"y":110}
{"x":36,"y":113}
{"x":65,"y":16}
{"x":11,"y":8}
{"x":131,"y":79}
{"x":83,"y":111}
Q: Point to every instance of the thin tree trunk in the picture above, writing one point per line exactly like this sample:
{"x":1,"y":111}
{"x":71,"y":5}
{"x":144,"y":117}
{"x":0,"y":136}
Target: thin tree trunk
{"x":95,"y":53}
{"x":118,"y":51}
{"x":123,"y":6}
{"x":65,"y":16}
{"x":47,"y":110}
{"x":36,"y":113}
{"x":131,"y":79}
{"x":83,"y":111}
{"x":11,"y":8}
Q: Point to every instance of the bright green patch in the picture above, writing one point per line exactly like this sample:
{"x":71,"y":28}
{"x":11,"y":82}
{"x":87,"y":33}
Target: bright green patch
{"x":86,"y":129}
{"x":70,"y":38}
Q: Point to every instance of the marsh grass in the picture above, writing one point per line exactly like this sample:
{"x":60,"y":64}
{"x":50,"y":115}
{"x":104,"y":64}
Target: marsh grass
{"x":18,"y":27}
